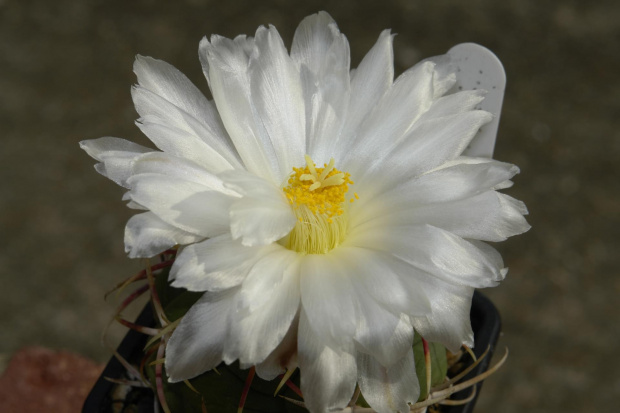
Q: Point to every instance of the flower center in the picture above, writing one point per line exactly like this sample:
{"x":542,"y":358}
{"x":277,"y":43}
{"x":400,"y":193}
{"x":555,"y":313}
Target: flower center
{"x":318,"y":197}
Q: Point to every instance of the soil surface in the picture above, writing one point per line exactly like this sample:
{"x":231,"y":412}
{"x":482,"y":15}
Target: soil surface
{"x":65,"y":76}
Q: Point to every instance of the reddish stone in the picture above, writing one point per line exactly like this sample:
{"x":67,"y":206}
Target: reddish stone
{"x":41,"y":380}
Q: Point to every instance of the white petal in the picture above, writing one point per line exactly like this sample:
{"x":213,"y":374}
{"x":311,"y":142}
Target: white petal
{"x":322,"y":53}
{"x":457,"y":181}
{"x":328,"y":376}
{"x":283,"y":358}
{"x":227,"y":63}
{"x":383,"y":335}
{"x":370,"y":81}
{"x":492,"y":255}
{"x":266,"y":305}
{"x":171,"y":166}
{"x":234,"y":53}
{"x":400,"y":107}
{"x":449,"y":322}
{"x":380,"y":274}
{"x":519,"y":205}
{"x":326,"y":295}
{"x":98,"y":147}
{"x":115,"y":155}
{"x":135,"y":205}
{"x":434,"y":251}
{"x":166,"y":81}
{"x":378,"y":296}
{"x":186,"y":144}
{"x":260,"y":221}
{"x":215,"y":264}
{"x":263,"y":214}
{"x":427,"y":145}
{"x":146,"y":235}
{"x":384,"y":161}
{"x":278,"y":98}
{"x":431,"y":143}
{"x":179,"y":133}
{"x":464,"y":101}
{"x":269,"y":273}
{"x":131,"y":204}
{"x":487,"y":217}
{"x":445,"y":74}
{"x":187,"y":205}
{"x":197,"y":343}
{"x":389,"y":389}
{"x":453,"y":181}
{"x":312,"y":40}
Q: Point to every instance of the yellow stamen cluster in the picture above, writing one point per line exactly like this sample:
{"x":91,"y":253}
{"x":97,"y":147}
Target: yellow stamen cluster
{"x":318,"y":197}
{"x":321,"y":190}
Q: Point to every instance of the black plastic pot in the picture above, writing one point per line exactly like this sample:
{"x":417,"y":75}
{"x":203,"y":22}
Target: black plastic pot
{"x":485,"y":322}
{"x":487,"y":325}
{"x":102,"y":398}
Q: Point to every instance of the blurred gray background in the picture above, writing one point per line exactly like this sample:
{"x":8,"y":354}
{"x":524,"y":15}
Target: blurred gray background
{"x":65,"y":75}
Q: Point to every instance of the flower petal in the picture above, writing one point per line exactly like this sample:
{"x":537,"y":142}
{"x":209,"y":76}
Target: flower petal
{"x":328,"y":376}
{"x":326,"y":295}
{"x":489,"y":216}
{"x":449,"y":322}
{"x":276,"y":266}
{"x":434,"y":251}
{"x":380,"y":275}
{"x":369,"y":82}
{"x":166,"y":81}
{"x":198,"y":342}
{"x":266,"y":305}
{"x":226,"y":65}
{"x":399,"y":108}
{"x":427,"y":145}
{"x":234,"y":54}
{"x":100,"y":146}
{"x":454,"y":180}
{"x":190,"y":206}
{"x":379,"y":297}
{"x":283,"y":357}
{"x":176,"y":132}
{"x":263,"y":214}
{"x":445,"y":74}
{"x":458,"y":179}
{"x":146,"y":235}
{"x":277,"y":96}
{"x":313,"y":38}
{"x":431,"y":143}
{"x":186,"y":144}
{"x":215,"y":264}
{"x":322,"y":54}
{"x":460,"y":102}
{"x":388,"y":389}
{"x":115,"y":156}
{"x":161,"y":163}
{"x":383,"y":335}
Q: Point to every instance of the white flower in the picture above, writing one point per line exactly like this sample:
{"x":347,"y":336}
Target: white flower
{"x":329,"y":268}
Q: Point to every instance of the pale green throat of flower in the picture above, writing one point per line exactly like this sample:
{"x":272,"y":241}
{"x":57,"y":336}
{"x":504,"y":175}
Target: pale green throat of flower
{"x":318,"y":197}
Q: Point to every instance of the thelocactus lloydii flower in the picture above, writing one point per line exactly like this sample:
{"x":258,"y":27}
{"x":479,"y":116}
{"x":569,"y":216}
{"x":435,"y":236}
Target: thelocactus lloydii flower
{"x":327,"y":213}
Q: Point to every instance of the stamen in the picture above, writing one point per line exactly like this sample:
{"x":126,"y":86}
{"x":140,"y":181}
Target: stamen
{"x":318,"y":197}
